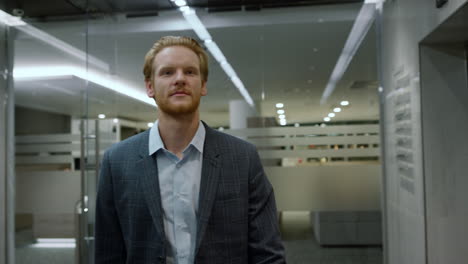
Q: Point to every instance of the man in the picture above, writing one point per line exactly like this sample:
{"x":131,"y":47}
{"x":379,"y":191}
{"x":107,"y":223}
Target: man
{"x":183,"y":192}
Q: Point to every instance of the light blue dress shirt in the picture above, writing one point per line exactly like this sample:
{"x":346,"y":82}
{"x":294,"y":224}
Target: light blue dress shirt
{"x":179,"y":181}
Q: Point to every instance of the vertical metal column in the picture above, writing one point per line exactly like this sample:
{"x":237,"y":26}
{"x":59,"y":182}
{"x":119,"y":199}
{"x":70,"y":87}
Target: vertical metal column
{"x":7,"y":147}
{"x":85,"y":238}
{"x":383,"y":188}
{"x":83,"y":225}
{"x":11,"y":182}
{"x":3,"y":143}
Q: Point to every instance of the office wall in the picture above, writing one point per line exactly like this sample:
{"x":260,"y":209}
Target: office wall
{"x":36,"y":122}
{"x":444,"y":93}
{"x":405,"y":24}
{"x":47,"y":192}
{"x":335,"y":187}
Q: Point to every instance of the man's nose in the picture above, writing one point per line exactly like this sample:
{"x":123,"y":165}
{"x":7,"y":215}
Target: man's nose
{"x":180,"y":78}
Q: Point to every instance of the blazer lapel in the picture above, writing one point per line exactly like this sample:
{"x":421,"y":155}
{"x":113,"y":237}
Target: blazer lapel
{"x":208,"y":185}
{"x":149,"y":184}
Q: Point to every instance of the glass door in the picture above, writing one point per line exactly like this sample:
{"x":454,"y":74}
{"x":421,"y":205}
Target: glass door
{"x":55,"y":160}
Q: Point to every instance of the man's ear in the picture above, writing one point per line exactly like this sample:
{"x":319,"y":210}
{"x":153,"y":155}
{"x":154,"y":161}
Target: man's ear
{"x":204,"y":91}
{"x":149,"y":88}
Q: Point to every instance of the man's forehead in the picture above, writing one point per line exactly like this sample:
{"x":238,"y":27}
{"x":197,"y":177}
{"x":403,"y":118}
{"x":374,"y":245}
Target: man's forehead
{"x":175,"y":56}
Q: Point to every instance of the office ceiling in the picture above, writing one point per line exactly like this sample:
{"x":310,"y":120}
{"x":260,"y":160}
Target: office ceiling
{"x":282,"y":54}
{"x":48,"y":9}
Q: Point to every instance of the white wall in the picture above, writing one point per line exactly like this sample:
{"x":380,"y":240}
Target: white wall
{"x":405,"y":24}
{"x":445,"y":128}
{"x":348,"y":187}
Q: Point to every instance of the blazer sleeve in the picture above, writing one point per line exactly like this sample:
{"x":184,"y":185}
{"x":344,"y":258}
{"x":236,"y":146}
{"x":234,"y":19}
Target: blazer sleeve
{"x":109,"y":242}
{"x":265,"y":244}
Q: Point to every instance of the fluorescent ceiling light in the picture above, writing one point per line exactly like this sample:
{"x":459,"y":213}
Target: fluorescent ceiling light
{"x":344,"y":103}
{"x":102,"y":116}
{"x":228,"y":69}
{"x":184,"y":8}
{"x":283,"y":122}
{"x":280,"y":111}
{"x":103,"y":80}
{"x":10,"y":20}
{"x":336,"y":109}
{"x":54,"y":243}
{"x":201,"y":31}
{"x":55,"y":240}
{"x":215,"y":51}
{"x":331,"y":115}
{"x":150,"y":124}
{"x":240,"y":86}
{"x":32,"y":31}
{"x":180,"y":3}
{"x":116,"y":120}
{"x":197,"y":26}
{"x":63,"y":46}
{"x":326,"y":119}
{"x":297,"y":125}
{"x":282,"y":116}
{"x":360,"y":28}
{"x":279,"y":105}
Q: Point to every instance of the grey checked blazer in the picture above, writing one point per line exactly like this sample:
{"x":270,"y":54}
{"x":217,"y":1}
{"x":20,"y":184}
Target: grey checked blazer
{"x":236,"y":222}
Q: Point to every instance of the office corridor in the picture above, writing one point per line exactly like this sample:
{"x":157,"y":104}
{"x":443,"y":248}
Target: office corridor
{"x":301,"y":248}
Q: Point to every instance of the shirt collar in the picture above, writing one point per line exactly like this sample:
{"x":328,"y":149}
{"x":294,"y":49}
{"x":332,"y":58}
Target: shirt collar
{"x":156,"y":143}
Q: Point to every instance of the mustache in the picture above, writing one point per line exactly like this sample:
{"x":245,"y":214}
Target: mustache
{"x":176,"y":91}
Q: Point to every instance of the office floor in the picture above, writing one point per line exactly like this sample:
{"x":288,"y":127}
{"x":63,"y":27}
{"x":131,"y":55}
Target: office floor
{"x":301,"y":248}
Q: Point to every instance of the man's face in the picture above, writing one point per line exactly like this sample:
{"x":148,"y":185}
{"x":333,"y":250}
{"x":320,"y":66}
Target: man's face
{"x":177,"y":85}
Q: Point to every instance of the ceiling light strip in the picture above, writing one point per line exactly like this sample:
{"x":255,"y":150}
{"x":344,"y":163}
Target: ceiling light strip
{"x":109,"y":82}
{"x":10,"y":20}
{"x":36,"y":33}
{"x":201,"y":31}
{"x":360,"y":28}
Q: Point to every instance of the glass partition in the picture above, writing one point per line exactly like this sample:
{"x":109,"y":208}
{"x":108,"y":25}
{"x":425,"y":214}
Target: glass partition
{"x":79,"y":89}
{"x":51,"y":87}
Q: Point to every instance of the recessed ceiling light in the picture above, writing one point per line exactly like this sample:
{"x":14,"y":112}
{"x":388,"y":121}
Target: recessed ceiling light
{"x":280,"y":112}
{"x":297,"y":125}
{"x":336,"y":109}
{"x":102,"y":116}
{"x":326,"y":119}
{"x":279,"y":105}
{"x":282,"y":116}
{"x":283,"y":122}
{"x":150,"y":124}
{"x":116,"y":120}
{"x":331,"y":115}
{"x":344,"y":103}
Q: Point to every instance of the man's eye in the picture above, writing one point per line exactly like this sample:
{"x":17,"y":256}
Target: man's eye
{"x":166,"y":72}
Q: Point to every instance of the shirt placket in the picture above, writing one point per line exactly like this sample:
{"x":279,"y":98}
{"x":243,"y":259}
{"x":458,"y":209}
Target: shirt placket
{"x":181,"y":213}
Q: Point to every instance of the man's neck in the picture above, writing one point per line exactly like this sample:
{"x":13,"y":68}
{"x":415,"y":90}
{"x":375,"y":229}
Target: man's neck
{"x":177,"y":132}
